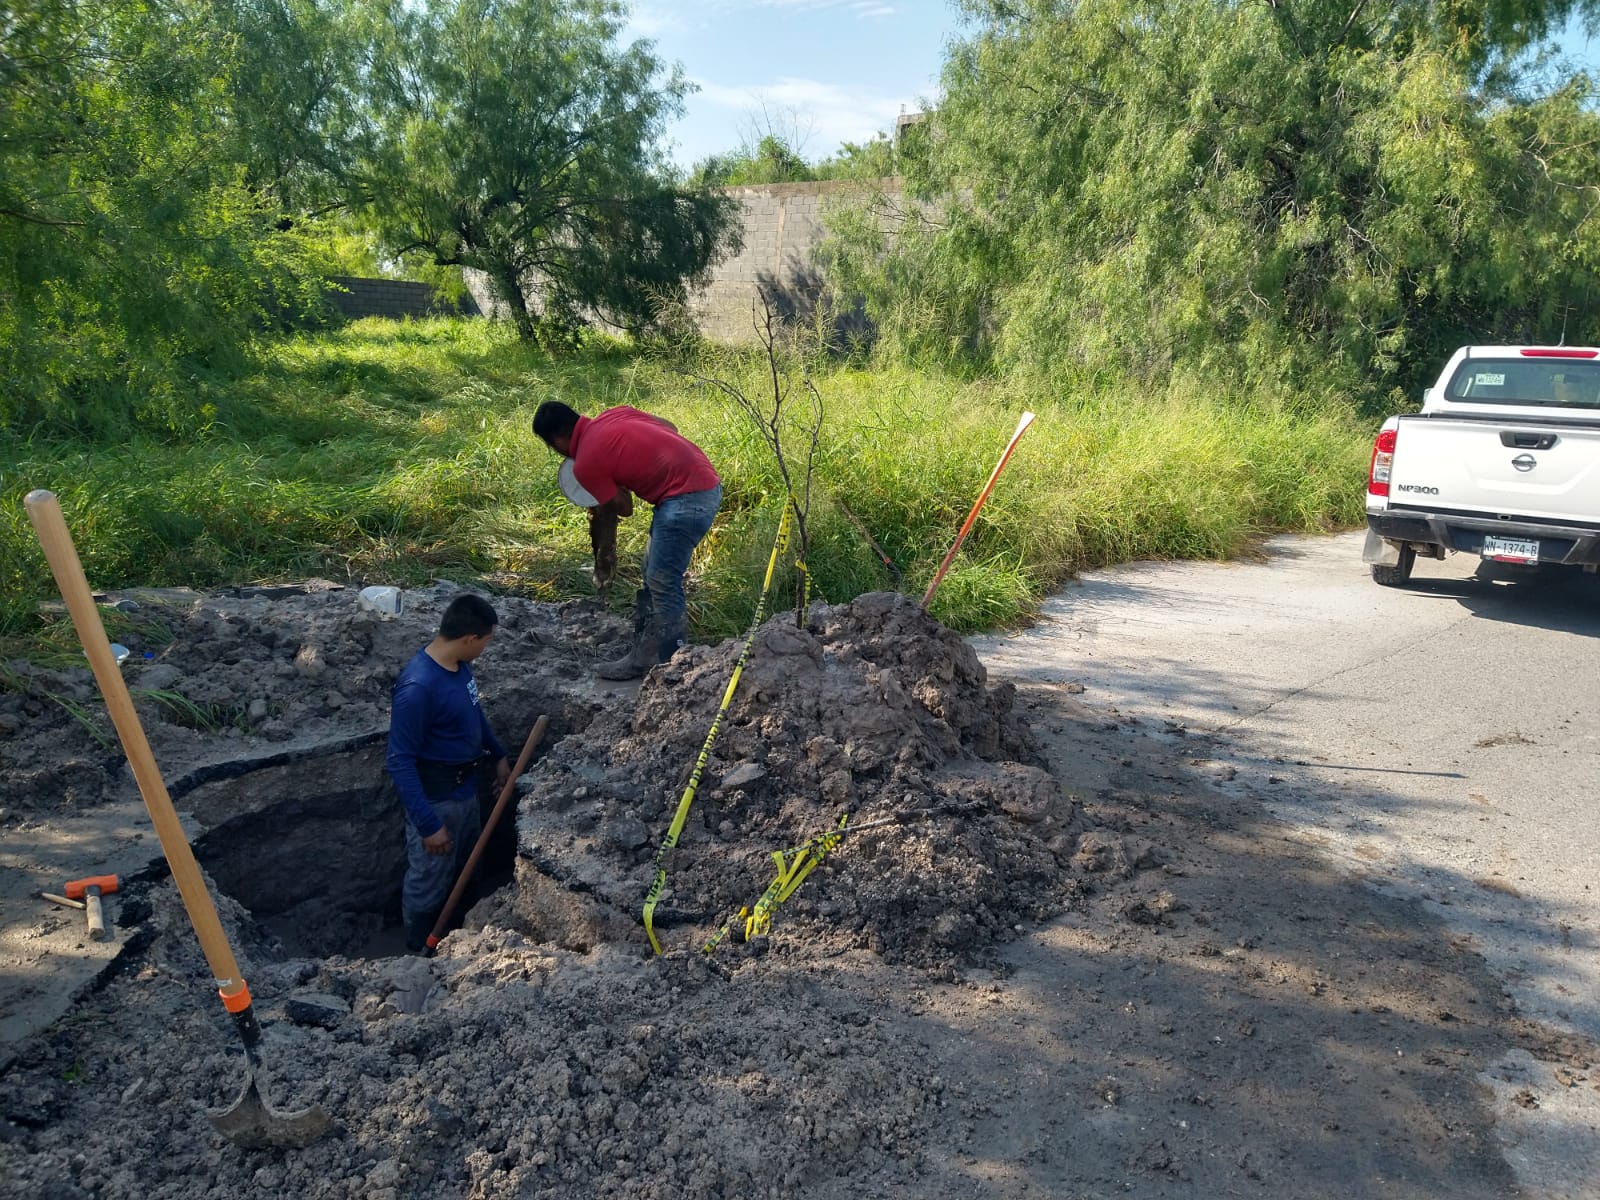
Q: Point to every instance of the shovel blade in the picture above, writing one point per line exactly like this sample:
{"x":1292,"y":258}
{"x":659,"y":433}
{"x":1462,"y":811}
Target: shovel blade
{"x":250,"y":1124}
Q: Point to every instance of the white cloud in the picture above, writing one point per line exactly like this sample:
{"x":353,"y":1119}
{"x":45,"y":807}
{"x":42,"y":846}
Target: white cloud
{"x":647,"y":22}
{"x":831,"y":113}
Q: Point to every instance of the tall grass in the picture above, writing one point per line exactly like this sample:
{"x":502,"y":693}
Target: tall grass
{"x":388,"y":452}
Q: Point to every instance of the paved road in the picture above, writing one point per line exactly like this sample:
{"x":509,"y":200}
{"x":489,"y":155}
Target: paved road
{"x":1443,"y":739}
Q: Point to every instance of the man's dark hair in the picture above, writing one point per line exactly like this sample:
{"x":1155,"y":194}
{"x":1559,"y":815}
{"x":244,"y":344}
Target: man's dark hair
{"x":467,"y":614}
{"x":553,"y":419}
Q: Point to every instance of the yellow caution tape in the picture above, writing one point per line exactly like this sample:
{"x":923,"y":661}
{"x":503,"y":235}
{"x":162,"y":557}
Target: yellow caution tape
{"x":682,"y":815}
{"x":793,"y":867}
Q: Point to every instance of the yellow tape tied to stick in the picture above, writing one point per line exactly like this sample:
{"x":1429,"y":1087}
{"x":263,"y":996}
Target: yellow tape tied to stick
{"x":675,"y":830}
{"x":798,"y":862}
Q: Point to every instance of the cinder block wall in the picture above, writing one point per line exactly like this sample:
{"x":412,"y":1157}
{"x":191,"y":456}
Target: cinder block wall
{"x":784,"y":223}
{"x":394,"y":298}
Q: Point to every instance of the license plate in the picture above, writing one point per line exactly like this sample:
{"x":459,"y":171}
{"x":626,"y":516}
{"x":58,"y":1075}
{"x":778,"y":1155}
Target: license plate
{"x":1510,"y":550}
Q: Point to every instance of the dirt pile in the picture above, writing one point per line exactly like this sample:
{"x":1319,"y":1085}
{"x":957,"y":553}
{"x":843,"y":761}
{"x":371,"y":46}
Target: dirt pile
{"x":874,"y":711}
{"x":499,"y":1068}
{"x":237,"y":674}
{"x":540,"y":1058}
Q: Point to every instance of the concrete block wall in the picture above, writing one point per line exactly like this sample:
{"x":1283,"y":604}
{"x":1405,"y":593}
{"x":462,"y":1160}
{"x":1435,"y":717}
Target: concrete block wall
{"x":393,"y":298}
{"x":784,"y":223}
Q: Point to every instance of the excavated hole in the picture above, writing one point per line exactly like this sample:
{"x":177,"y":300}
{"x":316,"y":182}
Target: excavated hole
{"x":313,"y":846}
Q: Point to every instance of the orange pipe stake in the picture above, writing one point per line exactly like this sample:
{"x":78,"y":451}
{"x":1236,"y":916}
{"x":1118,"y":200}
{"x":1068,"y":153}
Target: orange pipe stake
{"x":535,"y":735}
{"x":966,"y":526}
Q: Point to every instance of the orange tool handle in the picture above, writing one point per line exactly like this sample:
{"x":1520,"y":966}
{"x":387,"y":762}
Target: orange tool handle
{"x":535,"y":735}
{"x":106,"y":883}
{"x":45,"y":513}
{"x":966,"y":526}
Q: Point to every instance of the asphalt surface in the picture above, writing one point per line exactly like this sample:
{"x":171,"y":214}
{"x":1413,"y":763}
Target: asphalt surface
{"x":1441,"y":740}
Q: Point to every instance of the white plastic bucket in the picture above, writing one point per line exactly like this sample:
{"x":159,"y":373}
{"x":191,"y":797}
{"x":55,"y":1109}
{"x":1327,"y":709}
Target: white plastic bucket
{"x":387,"y":602}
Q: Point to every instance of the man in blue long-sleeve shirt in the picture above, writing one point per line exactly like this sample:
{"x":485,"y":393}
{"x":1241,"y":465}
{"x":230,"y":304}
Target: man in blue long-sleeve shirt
{"x":438,"y":740}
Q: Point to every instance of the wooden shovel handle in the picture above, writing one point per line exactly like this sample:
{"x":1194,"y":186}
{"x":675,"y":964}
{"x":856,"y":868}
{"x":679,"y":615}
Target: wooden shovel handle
{"x":535,"y":735}
{"x":45,"y":513}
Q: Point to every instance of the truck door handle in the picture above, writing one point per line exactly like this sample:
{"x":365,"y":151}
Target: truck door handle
{"x":1527,"y":441}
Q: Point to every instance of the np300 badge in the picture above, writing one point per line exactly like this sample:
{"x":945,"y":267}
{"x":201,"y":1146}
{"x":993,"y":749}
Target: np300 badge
{"x":1418,"y":488}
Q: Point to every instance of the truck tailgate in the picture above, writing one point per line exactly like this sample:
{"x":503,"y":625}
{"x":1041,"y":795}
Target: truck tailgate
{"x":1497,"y":467}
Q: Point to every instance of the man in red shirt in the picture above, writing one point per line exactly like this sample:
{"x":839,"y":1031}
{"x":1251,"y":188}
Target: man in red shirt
{"x":624,"y":450}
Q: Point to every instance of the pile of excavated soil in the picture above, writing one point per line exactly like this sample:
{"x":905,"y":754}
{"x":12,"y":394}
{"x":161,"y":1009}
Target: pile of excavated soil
{"x":242,"y":674}
{"x":1220,"y":1013}
{"x":498,"y":1068}
{"x":875,"y":713}
{"x":545,"y":1051}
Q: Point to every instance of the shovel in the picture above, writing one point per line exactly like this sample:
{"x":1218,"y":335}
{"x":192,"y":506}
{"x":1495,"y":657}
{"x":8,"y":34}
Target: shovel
{"x":535,"y":735}
{"x":248,"y":1122}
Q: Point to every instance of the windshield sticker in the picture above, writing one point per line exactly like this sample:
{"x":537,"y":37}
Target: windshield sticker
{"x":1485,"y":379}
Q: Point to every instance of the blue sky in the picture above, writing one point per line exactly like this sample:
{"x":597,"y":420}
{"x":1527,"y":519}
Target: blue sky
{"x":827,"y":70}
{"x":819,"y":71}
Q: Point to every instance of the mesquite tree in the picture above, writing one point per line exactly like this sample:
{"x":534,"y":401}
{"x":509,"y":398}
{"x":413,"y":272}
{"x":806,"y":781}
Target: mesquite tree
{"x":520,"y":137}
{"x":1289,"y":191}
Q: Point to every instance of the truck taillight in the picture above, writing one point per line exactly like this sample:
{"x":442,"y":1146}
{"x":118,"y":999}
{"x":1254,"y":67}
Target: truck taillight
{"x":1382,"y":461}
{"x":1557,"y":352}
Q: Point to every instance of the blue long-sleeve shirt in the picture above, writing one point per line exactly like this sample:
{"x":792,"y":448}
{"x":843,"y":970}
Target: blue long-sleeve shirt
{"x":437,"y":717}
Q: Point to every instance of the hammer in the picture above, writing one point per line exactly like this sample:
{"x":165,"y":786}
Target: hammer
{"x":89,"y":890}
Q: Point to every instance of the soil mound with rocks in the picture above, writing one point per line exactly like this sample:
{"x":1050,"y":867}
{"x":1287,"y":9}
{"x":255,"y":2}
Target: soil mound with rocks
{"x":873,"y":712}
{"x":499,"y":1068}
{"x":545,"y":1052}
{"x":242,"y":673}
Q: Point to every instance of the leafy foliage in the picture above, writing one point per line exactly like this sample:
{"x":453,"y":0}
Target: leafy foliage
{"x":772,"y":158}
{"x":177,"y":176}
{"x":394,"y":453}
{"x":517,"y":137}
{"x":1301,"y":188}
{"x":132,"y":253}
{"x":295,"y":90}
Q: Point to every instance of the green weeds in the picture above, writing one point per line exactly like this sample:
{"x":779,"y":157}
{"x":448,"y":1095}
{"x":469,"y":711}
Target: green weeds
{"x":397,"y":452}
{"x":185,"y":711}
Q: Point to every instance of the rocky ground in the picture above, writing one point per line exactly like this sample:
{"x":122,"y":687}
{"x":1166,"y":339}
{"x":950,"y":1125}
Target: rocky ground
{"x":1055,"y":960}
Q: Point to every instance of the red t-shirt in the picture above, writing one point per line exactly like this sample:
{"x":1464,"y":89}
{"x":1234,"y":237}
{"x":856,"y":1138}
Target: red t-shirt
{"x":624,"y":447}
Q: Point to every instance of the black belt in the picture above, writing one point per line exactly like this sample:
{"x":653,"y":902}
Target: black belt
{"x":441,"y":779}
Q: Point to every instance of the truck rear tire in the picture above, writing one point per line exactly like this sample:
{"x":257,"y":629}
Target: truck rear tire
{"x":1399,"y":574}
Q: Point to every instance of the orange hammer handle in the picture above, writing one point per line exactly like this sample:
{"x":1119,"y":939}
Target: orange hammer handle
{"x":106,"y":883}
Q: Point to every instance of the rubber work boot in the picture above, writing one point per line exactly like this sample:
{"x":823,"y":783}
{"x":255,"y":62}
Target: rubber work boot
{"x":641,"y":655}
{"x":672,"y":636}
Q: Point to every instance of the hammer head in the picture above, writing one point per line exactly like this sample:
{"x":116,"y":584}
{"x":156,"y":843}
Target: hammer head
{"x":76,"y":888}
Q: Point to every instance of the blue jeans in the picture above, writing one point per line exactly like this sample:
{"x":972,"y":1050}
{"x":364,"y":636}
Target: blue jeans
{"x":429,"y":877}
{"x":678,"y":526}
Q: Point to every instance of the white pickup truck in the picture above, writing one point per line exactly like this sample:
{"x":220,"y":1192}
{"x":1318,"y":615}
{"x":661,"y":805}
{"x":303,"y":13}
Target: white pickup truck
{"x":1503,"y":462}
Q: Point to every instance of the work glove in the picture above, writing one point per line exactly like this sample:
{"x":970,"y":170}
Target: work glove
{"x":603,"y":535}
